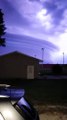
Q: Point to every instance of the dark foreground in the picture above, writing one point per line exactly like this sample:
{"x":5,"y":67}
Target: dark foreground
{"x":49,"y":96}
{"x":42,"y":91}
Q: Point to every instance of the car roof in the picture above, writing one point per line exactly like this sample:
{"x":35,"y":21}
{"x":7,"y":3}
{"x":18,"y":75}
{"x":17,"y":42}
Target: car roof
{"x":8,"y":112}
{"x":8,"y":91}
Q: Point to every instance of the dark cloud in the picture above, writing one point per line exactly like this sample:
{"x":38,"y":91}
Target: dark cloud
{"x":57,"y":16}
{"x":34,"y":0}
{"x":31,"y":40}
{"x":50,"y":6}
{"x":24,"y":44}
{"x":12,"y":16}
{"x":56,"y":9}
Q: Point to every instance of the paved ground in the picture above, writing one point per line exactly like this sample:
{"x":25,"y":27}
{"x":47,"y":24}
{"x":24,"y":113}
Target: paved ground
{"x":54,"y":116}
{"x":52,"y":112}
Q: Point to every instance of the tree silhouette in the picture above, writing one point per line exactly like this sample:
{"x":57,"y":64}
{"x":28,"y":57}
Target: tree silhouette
{"x":2,"y":29}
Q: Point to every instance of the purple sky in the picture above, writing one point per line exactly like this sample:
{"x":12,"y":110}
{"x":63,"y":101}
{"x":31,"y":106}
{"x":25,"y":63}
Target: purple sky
{"x":36,"y":24}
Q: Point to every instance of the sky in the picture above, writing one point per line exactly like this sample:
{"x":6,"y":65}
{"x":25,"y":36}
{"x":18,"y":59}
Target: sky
{"x":36,"y":24}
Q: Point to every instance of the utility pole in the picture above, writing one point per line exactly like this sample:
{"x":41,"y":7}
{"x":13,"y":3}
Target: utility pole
{"x":63,"y":57}
{"x":42,"y":56}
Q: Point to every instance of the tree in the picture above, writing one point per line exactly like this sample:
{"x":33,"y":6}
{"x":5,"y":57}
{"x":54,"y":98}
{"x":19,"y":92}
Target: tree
{"x":2,"y":29}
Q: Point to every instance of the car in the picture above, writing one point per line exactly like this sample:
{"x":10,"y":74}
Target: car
{"x":14,"y":107}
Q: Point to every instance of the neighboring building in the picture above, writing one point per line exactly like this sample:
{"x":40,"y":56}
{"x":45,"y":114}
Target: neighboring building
{"x":48,"y":68}
{"x":64,"y":68}
{"x":18,"y":65}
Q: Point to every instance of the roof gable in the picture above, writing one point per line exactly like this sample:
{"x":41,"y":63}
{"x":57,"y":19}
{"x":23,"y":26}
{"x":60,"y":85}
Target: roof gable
{"x":19,"y":53}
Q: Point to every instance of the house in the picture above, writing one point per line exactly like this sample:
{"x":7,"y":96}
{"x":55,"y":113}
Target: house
{"x":18,"y":65}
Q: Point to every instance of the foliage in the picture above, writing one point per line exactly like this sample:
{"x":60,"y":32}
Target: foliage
{"x":2,"y":29}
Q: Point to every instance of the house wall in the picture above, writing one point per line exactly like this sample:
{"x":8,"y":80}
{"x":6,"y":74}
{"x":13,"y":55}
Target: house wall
{"x":15,"y":66}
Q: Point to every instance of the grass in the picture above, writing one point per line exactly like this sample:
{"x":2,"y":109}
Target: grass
{"x":42,"y":91}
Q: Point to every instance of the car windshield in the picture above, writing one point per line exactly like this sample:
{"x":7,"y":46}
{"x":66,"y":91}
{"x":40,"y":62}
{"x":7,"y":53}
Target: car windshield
{"x":25,"y":108}
{"x":22,"y":102}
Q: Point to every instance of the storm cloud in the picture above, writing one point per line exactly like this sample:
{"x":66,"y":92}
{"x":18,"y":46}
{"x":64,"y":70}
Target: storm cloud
{"x":42,"y":23}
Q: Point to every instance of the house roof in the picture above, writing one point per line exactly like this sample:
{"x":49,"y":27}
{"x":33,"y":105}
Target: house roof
{"x":17,"y":52}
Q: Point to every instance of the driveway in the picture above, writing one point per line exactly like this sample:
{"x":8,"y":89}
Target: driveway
{"x":50,"y":112}
{"x":53,"y":116}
